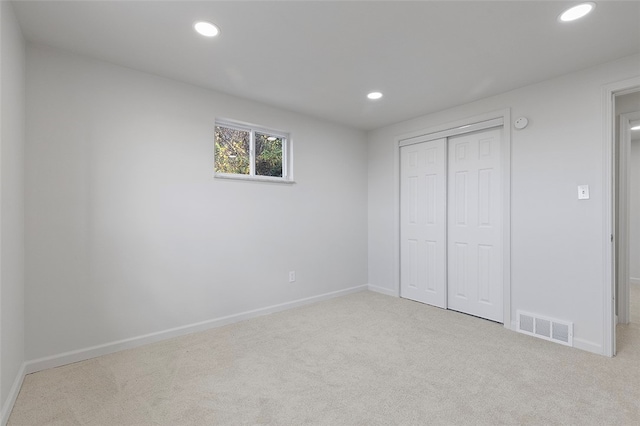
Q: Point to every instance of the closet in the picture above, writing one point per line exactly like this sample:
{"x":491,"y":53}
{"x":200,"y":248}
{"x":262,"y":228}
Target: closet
{"x":451,"y":224}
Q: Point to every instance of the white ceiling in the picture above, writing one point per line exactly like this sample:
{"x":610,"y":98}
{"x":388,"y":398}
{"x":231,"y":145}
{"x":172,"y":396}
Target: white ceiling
{"x":322,"y":58}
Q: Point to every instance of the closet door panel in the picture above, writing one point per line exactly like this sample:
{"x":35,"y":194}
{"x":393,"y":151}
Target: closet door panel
{"x":423,"y":215}
{"x":475,"y":225}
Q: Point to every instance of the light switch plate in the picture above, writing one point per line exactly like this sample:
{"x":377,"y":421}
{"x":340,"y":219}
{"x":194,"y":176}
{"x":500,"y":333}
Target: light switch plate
{"x":583,"y":192}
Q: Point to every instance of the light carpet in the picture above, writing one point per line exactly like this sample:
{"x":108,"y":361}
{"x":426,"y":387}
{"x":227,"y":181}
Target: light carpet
{"x":362,"y":359}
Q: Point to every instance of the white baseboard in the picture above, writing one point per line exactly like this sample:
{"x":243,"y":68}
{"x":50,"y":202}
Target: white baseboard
{"x":587,"y":345}
{"x":382,"y":290}
{"x":13,"y":395}
{"x":634,"y":281}
{"x":578,"y":343}
{"x":134,"y":342}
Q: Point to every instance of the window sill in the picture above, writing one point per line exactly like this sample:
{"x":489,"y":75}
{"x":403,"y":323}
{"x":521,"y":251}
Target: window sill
{"x":263,"y":179}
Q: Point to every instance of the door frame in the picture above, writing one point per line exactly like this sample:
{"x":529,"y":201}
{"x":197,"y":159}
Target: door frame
{"x":609,"y":209}
{"x":465,"y":125}
{"x":623,"y":215}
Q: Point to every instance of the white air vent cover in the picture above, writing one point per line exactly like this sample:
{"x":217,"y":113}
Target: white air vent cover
{"x":545,"y":328}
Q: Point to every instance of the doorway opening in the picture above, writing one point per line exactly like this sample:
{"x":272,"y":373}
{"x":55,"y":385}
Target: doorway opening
{"x":627,"y":214}
{"x":616,"y":214}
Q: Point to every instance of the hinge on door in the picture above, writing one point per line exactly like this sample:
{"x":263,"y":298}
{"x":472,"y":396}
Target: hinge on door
{"x":611,"y":237}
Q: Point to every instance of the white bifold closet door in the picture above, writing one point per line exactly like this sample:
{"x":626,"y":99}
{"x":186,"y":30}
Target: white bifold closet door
{"x":451,"y":223}
{"x":423,"y":229}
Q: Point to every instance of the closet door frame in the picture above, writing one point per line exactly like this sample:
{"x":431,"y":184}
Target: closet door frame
{"x":500,"y":118}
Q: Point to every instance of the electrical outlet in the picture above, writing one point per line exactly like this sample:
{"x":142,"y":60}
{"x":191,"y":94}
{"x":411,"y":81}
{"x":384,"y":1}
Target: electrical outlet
{"x":292,"y":276}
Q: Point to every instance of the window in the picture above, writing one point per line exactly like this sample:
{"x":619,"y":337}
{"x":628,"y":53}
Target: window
{"x":248,"y":152}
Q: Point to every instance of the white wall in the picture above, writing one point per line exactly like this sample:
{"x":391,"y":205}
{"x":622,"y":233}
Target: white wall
{"x":128,"y":233}
{"x":634,"y":212}
{"x":12,"y":105}
{"x":557,"y":241}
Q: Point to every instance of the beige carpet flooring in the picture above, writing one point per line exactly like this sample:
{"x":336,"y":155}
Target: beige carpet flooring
{"x":362,"y":359}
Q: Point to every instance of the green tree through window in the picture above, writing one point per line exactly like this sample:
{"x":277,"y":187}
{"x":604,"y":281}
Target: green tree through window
{"x":268,"y":155}
{"x":232,"y":151}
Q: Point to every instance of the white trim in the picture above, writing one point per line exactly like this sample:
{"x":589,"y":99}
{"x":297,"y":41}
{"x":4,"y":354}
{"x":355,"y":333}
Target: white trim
{"x":134,"y":342}
{"x":587,"y":345}
{"x":13,"y":395}
{"x":447,"y":133}
{"x":243,"y":125}
{"x":624,"y":182}
{"x":578,"y":343}
{"x":506,"y":217}
{"x":396,"y":214}
{"x":608,"y":224}
{"x":267,"y":179}
{"x":478,"y":122}
{"x":382,"y":290}
{"x":455,"y":124}
{"x":252,"y":153}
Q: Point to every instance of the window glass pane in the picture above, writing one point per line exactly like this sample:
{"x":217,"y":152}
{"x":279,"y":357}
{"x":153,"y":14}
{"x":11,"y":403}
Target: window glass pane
{"x":268,"y":155}
{"x":232,"y":151}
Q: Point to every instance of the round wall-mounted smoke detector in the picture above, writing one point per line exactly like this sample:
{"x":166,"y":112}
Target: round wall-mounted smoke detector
{"x":521,"y":123}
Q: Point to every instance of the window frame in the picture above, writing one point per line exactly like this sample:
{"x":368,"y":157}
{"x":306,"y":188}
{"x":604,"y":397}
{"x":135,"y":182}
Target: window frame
{"x":287,"y":155}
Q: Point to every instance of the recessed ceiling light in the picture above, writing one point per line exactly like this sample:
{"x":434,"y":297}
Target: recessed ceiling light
{"x":577,"y":12}
{"x":374,"y":95}
{"x":206,"y":29}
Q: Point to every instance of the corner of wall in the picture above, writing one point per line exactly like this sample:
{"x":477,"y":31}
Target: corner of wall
{"x":13,"y":395}
{"x":12,"y":140}
{"x":382,"y":290}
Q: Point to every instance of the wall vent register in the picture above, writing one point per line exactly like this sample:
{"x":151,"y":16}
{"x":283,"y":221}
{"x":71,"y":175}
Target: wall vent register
{"x":545,"y":328}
